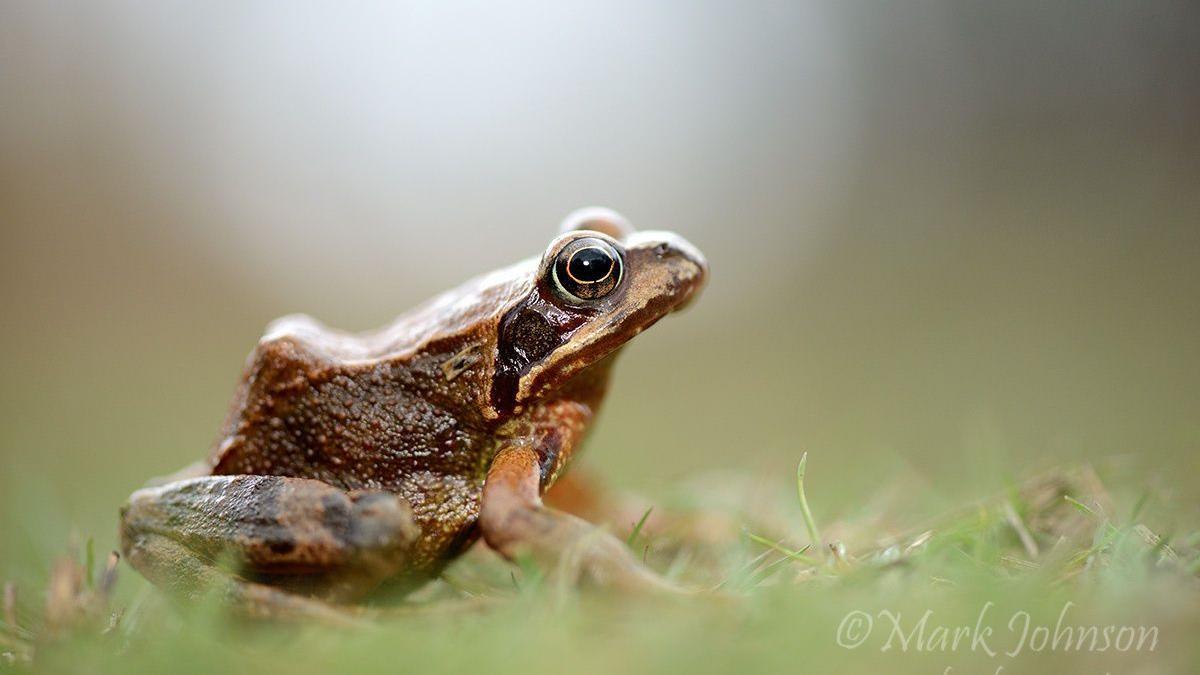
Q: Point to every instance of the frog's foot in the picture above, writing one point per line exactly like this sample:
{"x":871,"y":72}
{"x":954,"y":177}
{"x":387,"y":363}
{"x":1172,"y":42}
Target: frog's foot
{"x":584,"y":494}
{"x":514,"y":522}
{"x":269,"y":545}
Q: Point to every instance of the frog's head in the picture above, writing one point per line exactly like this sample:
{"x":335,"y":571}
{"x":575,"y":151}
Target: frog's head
{"x":598,"y":284}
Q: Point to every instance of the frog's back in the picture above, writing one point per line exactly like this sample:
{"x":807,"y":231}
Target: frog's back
{"x":352,"y":425}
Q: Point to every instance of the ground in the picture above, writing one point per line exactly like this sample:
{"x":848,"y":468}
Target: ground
{"x":1062,"y":571}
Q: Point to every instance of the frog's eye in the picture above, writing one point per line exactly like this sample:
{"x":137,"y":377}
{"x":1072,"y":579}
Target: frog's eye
{"x":587,"y":268}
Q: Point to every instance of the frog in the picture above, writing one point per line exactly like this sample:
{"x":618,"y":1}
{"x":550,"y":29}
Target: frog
{"x":351,"y":464}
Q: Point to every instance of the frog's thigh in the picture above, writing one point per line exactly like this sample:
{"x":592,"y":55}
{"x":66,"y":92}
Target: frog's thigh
{"x":514,"y":522}
{"x":224,"y":533}
{"x":177,"y":570}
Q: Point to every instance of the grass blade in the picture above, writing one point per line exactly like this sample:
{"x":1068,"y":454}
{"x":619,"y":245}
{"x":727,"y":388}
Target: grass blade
{"x":637,"y":529}
{"x":774,"y":546}
{"x":90,"y":564}
{"x":809,"y":522}
{"x":1080,"y":505}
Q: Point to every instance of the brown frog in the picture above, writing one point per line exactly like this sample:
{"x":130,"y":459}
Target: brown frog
{"x":348,"y":462}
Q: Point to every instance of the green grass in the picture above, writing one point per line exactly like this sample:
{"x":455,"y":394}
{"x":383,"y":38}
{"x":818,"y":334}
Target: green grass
{"x":1050,"y":547}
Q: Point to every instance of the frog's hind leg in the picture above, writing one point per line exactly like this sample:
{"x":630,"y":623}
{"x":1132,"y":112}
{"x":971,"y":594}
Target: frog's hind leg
{"x":269,"y":545}
{"x":177,"y":570}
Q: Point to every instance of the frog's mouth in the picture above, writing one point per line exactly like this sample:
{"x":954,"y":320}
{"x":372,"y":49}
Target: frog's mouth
{"x":664,"y":273}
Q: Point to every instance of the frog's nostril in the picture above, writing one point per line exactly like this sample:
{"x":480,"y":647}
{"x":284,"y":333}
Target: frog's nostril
{"x":670,"y":249}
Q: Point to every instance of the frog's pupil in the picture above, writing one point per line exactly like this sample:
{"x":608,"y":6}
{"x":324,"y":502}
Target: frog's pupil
{"x":590,"y":265}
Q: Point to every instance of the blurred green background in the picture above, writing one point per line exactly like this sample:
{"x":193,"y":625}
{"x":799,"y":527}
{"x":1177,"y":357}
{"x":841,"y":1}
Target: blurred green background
{"x":951,"y":242}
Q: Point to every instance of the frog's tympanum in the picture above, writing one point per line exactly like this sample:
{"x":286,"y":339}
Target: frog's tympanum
{"x":350,"y":462}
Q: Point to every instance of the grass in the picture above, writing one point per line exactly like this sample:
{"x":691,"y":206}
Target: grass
{"x":809,"y":522}
{"x":995,"y":583}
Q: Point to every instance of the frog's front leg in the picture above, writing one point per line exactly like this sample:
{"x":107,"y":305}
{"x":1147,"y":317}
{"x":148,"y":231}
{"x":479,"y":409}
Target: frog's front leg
{"x":514,"y":522}
{"x":270,"y":545}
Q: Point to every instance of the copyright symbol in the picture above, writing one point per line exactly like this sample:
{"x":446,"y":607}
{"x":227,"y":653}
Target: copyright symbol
{"x":854,"y":629}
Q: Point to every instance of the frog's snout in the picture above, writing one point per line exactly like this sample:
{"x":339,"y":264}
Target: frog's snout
{"x":689,"y":256}
{"x":685,"y":267}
